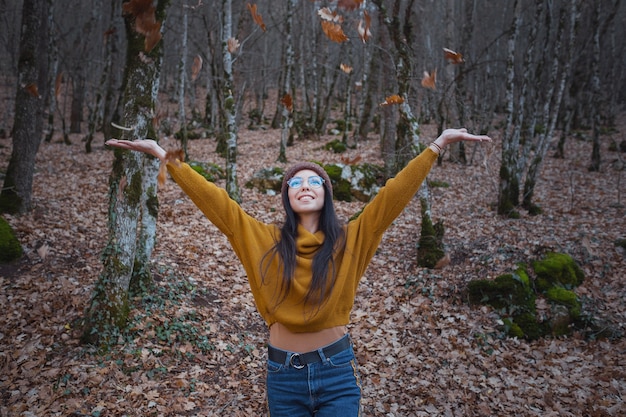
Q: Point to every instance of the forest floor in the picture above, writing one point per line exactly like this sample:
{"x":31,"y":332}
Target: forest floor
{"x":196,"y":345}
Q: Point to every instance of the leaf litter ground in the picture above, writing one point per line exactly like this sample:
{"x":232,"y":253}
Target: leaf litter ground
{"x":196,"y":346}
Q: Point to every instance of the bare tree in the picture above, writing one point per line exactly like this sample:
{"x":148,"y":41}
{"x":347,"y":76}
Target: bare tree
{"x":133,"y":205}
{"x":29,"y":104}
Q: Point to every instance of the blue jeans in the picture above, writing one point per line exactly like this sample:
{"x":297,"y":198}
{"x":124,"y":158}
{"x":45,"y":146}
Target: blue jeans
{"x":328,"y":388}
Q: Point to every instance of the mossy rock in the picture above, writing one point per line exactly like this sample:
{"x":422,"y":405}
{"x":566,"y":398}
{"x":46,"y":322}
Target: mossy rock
{"x":336,"y":146}
{"x":567,"y":298}
{"x":267,"y":180}
{"x":509,"y":292}
{"x":211,"y":172}
{"x":557,"y":269}
{"x":10,"y":247}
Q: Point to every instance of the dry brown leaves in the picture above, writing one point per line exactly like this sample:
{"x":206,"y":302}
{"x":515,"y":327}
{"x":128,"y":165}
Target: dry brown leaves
{"x":422,"y":350}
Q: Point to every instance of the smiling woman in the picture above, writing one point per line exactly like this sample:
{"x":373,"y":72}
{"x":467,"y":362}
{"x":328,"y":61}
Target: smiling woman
{"x":304,"y":274}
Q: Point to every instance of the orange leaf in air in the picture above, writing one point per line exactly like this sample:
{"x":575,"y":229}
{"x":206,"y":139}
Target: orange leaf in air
{"x":429,"y":80}
{"x":364,"y":28}
{"x":287,"y":102}
{"x":32,"y":90}
{"x":171,"y":156}
{"x":233,"y":45}
{"x":351,"y":161}
{"x":333,"y":31}
{"x":145,"y":21}
{"x":394,"y":99}
{"x":196,"y":67}
{"x":453,"y":57}
{"x":346,"y":68}
{"x":349,"y":4}
{"x":57,"y":86}
{"x":331,"y":16}
{"x":256,"y":16}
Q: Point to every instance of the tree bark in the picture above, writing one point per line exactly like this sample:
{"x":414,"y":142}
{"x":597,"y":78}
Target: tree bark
{"x":16,"y":195}
{"x":230,"y":106}
{"x":133,"y":204}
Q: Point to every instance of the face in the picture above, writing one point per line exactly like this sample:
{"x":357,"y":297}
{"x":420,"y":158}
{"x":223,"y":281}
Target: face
{"x":306,"y":199}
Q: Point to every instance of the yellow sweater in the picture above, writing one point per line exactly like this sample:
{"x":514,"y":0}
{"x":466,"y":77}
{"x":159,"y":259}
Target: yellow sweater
{"x":252,"y":239}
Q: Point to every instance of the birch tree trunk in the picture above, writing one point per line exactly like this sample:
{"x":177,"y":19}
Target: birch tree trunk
{"x":508,"y":192}
{"x":559,"y":77}
{"x":230,"y":106}
{"x":286,"y":89}
{"x":133,"y":205}
{"x":595,"y":91}
{"x":182,"y":71}
{"x":29,"y":104}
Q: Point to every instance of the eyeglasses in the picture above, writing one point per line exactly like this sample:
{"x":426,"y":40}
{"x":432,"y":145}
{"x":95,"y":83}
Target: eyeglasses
{"x":315,"y":181}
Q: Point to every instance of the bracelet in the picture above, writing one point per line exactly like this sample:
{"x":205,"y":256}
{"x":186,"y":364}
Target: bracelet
{"x":439,"y":148}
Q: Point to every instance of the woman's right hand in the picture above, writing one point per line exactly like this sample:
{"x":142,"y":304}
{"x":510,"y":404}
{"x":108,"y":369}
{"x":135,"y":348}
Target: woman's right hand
{"x":148,"y":146}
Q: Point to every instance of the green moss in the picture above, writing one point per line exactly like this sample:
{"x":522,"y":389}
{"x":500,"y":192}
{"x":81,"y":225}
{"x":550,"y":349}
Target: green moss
{"x":529,"y":326}
{"x":211,"y":172}
{"x":10,"y":247}
{"x":440,"y":184}
{"x":430,"y":250}
{"x":336,"y":146}
{"x":508,"y":292}
{"x":557,"y":269}
{"x":567,"y":298}
{"x":342,"y":190}
{"x":333,"y":171}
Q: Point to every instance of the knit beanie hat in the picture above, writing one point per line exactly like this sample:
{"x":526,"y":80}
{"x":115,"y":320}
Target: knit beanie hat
{"x":306,"y":165}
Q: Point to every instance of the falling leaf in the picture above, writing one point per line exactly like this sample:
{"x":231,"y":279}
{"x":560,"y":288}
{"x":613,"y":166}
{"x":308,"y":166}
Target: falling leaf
{"x":196,"y":67}
{"x":429,"y":80}
{"x":333,"y":31}
{"x":364,"y":28}
{"x":233,"y":45}
{"x":351,"y":161}
{"x":32,"y":90}
{"x":287,"y":102}
{"x":258,"y":19}
{"x":453,"y":57}
{"x":349,"y":4}
{"x":171,"y":156}
{"x":346,"y":68}
{"x":145,"y":21}
{"x":394,"y":99}
{"x":330,"y":16}
{"x":115,"y":125}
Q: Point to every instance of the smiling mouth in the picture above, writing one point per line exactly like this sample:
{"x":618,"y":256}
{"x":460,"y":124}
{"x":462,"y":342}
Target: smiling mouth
{"x":306,"y":198}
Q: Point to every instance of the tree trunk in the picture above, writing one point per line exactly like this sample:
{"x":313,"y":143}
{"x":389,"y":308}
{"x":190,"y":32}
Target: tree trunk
{"x":559,"y":76}
{"x":133,"y":204}
{"x":78,"y":102}
{"x":595,"y":91}
{"x":28,"y":125}
{"x":287,"y":113}
{"x":182,"y":71}
{"x":230,"y":106}
{"x":508,"y":193}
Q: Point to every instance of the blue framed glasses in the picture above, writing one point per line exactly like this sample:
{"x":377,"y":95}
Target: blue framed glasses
{"x":314,"y":181}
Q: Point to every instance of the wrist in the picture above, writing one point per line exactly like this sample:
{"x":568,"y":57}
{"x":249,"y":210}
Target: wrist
{"x":435,"y":147}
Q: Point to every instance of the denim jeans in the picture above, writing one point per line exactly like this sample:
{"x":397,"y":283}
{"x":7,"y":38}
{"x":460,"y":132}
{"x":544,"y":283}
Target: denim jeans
{"x":328,"y":388}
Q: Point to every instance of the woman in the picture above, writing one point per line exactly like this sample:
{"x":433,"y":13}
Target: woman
{"x":304,"y":275}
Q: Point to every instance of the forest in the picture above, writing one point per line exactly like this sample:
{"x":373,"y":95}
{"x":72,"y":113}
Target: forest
{"x":124,"y":303}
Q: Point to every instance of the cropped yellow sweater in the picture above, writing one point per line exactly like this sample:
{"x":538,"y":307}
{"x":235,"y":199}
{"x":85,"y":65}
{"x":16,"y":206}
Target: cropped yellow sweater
{"x":252,"y":239}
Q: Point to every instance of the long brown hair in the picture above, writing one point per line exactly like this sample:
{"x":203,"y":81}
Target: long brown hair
{"x":323,"y":268}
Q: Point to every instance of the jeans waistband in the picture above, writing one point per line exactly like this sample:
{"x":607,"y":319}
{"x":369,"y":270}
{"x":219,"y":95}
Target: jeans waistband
{"x":300,"y":360}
